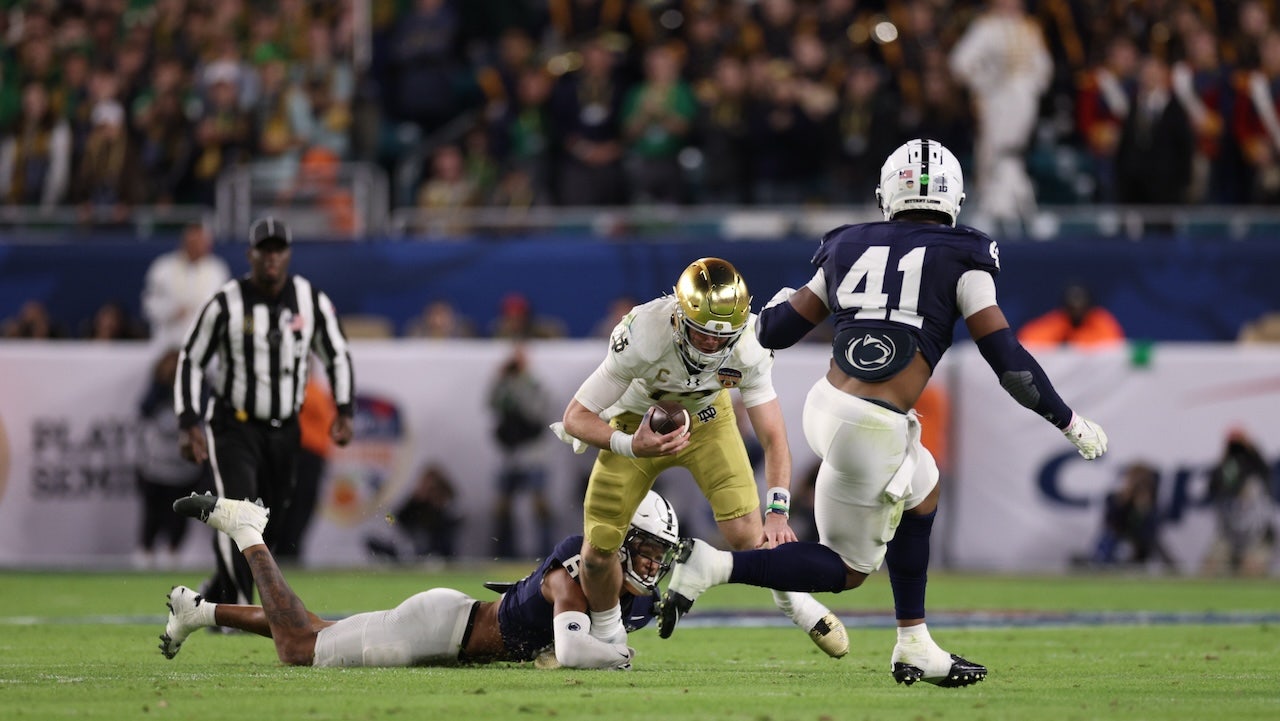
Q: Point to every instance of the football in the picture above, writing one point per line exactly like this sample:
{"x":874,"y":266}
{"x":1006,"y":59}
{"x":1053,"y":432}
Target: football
{"x":668,"y":416}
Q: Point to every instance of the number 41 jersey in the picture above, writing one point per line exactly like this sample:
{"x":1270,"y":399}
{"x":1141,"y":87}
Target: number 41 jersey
{"x":900,"y":275}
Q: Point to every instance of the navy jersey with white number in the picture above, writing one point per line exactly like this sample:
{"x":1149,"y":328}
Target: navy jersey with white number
{"x":902,"y":275}
{"x":524,"y":616}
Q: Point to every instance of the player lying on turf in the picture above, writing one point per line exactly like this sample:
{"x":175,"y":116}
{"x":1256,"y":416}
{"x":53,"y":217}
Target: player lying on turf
{"x":544,"y":610}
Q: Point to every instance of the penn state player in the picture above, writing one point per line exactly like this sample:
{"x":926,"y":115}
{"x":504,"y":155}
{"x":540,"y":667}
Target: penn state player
{"x":691,"y":346}
{"x":540,"y":617}
{"x":895,"y":289}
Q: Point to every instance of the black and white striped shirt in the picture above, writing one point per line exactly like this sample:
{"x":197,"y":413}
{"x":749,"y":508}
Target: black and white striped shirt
{"x":263,"y":347}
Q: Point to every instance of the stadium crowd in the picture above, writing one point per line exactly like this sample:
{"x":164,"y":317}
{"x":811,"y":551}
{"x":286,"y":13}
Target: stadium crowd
{"x":107,"y":104}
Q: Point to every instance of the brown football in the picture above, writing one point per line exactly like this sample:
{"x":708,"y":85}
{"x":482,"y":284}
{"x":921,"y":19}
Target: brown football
{"x":668,"y":416}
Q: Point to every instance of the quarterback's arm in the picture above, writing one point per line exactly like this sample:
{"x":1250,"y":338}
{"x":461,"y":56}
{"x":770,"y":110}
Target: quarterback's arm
{"x":771,"y":431}
{"x":574,"y":644}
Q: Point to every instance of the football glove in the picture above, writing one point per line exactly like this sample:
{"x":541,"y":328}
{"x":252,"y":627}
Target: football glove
{"x":1087,"y":436}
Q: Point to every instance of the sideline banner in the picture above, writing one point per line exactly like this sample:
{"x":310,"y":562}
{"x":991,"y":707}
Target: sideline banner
{"x":1024,"y":500}
{"x":1018,"y":497}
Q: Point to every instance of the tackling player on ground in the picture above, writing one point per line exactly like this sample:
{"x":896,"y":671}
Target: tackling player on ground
{"x":542,"y":617}
{"x":691,"y":347}
{"x":895,"y":289}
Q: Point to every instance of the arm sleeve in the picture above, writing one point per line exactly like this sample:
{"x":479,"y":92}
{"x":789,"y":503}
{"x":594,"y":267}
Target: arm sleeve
{"x":1022,"y":378}
{"x":576,"y":648}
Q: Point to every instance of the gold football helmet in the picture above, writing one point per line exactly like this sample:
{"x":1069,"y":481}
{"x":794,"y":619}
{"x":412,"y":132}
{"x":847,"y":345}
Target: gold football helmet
{"x":711,"y":299}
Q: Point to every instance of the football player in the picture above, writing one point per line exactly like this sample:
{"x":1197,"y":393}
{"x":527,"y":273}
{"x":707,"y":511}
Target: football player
{"x":895,"y":289}
{"x":692,"y":346}
{"x":541,"y":617}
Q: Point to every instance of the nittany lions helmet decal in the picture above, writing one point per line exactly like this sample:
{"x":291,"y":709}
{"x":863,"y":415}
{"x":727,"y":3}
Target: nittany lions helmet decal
{"x":654,"y":533}
{"x":921,"y":175}
{"x":711,"y":298}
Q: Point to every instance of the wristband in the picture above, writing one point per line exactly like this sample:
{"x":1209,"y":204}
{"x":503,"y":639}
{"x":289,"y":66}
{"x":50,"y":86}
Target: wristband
{"x":620,"y":443}
{"x":779,"y":501}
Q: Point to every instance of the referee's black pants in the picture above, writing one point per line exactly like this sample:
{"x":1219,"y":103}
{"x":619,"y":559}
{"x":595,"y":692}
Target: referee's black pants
{"x":251,"y":459}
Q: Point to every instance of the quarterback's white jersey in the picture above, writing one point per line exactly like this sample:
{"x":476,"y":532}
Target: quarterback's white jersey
{"x":643,"y":366}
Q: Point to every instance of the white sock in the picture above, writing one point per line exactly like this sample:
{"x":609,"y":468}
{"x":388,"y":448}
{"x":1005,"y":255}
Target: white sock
{"x":803,"y":609}
{"x":915,"y":634}
{"x":607,"y":625}
{"x":204,"y":613}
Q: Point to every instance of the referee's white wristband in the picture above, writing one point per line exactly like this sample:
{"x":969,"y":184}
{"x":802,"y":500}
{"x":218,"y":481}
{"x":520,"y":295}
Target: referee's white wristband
{"x":620,"y":443}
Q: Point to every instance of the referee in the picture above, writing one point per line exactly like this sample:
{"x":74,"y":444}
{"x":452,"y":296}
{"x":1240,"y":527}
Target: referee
{"x":262,"y":328}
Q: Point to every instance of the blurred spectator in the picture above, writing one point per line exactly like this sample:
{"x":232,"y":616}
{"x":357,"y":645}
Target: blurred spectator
{"x":428,"y":516}
{"x":35,"y":158}
{"x":224,"y":134}
{"x":1202,"y":85}
{"x":106,"y":180}
{"x":517,"y":321}
{"x":618,"y":308}
{"x":521,"y":411}
{"x":281,"y":119}
{"x":1077,"y":322}
{"x":32,"y":321}
{"x":1003,"y":61}
{"x":586,"y":106}
{"x":163,"y":474}
{"x":1104,"y":95}
{"x":522,"y":138}
{"x":447,"y":191}
{"x":868,"y":129}
{"x":178,"y":284}
{"x":1154,"y":159}
{"x":1131,"y":521}
{"x":724,"y":134}
{"x":439,"y":320}
{"x":1263,"y":329}
{"x":318,"y":184}
{"x":424,"y":64}
{"x":166,"y":147}
{"x":657,"y":117}
{"x":1240,"y":490}
{"x":112,"y":322}
{"x":316,"y":445}
{"x":1257,"y":122}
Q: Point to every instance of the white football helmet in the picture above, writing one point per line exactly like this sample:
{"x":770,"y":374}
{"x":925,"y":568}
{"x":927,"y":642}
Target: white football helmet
{"x":921,"y":175}
{"x":654,"y":533}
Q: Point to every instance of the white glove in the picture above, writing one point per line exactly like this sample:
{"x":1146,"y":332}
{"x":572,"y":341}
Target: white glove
{"x":579,"y":446}
{"x":781,"y":296}
{"x":1087,"y":436}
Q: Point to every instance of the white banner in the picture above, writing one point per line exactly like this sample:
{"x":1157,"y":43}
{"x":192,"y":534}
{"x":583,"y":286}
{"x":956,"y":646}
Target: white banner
{"x":1018,"y":497}
{"x":1023,"y":500}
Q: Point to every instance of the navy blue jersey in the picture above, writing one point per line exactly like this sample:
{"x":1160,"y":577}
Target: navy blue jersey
{"x":524,"y":616}
{"x":895,"y":274}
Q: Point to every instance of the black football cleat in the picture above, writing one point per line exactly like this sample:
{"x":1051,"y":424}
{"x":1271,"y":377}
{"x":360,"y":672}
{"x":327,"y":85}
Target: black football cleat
{"x":961,"y":673}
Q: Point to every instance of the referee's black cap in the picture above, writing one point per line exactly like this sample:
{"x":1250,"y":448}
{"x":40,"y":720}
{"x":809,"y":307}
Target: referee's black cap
{"x":269,"y":228}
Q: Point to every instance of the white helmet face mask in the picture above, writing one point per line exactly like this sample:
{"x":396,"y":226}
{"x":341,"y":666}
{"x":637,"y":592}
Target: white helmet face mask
{"x":654,"y":534}
{"x":921,"y":175}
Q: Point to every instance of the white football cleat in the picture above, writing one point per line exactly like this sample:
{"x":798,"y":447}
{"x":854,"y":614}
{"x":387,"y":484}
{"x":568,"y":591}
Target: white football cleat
{"x":183,"y":619}
{"x":831,"y":636}
{"x":698,"y":567}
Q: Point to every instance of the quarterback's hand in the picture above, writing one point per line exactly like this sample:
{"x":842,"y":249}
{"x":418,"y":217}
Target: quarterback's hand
{"x":777,"y":530}
{"x":648,"y":443}
{"x":192,"y":444}
{"x":1086,"y":436}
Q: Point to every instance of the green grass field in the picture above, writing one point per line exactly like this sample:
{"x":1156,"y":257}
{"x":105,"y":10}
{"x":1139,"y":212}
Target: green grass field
{"x":83,"y":645}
